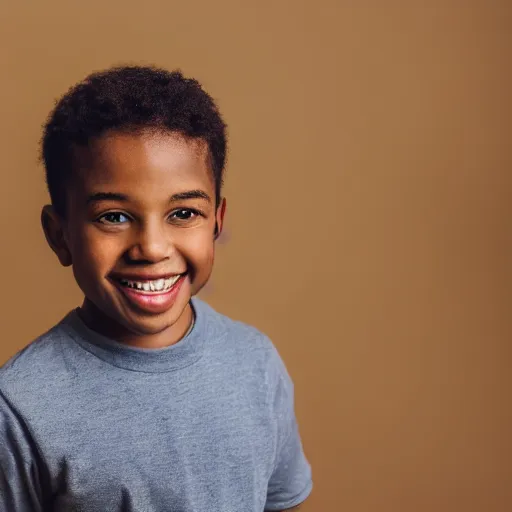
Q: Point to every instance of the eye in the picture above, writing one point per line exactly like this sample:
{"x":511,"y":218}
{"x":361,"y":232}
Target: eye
{"x":113,"y":218}
{"x":184,"y":214}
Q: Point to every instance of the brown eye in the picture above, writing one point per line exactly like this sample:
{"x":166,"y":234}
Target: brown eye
{"x":113,"y":218}
{"x":184,"y":214}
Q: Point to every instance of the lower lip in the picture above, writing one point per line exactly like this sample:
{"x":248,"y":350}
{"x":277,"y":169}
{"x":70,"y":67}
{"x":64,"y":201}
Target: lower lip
{"x":152,"y":302}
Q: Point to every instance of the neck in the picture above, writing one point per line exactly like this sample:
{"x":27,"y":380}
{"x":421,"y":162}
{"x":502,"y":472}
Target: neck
{"x":98,"y":321}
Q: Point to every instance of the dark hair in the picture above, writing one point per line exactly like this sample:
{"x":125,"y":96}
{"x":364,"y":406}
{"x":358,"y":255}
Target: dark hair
{"x":128,"y":98}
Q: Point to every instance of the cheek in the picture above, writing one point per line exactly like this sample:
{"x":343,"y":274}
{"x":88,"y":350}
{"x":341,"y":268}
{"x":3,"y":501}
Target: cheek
{"x":93,"y":253}
{"x":199,"y":250}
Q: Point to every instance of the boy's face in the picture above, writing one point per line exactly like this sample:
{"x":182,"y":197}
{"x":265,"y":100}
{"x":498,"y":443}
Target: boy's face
{"x":139,"y":232}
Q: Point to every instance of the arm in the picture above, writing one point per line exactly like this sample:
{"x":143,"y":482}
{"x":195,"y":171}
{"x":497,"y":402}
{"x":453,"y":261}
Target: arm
{"x":19,"y":478}
{"x":290,"y":483}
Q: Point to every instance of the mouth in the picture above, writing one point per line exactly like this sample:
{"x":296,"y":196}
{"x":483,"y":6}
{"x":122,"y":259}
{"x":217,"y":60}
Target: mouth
{"x":150,"y":286}
{"x":150,"y":294}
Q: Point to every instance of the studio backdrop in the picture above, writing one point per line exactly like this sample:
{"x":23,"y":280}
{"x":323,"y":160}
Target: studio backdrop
{"x":368,"y":227}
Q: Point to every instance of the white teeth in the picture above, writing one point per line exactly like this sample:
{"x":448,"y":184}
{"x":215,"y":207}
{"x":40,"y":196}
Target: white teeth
{"x":169,"y":282}
{"x":151,"y":286}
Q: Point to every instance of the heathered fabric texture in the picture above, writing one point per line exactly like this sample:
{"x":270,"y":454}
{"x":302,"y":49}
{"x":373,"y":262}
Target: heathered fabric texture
{"x":206,"y":425}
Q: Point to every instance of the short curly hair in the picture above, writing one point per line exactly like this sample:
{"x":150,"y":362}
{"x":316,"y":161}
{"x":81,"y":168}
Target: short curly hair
{"x":130,"y":98}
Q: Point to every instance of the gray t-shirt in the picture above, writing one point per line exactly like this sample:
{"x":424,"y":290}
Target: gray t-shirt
{"x":206,"y":425}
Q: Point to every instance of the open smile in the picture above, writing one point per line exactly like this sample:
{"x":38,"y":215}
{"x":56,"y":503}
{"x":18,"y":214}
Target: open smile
{"x":150,"y":295}
{"x":151,"y":286}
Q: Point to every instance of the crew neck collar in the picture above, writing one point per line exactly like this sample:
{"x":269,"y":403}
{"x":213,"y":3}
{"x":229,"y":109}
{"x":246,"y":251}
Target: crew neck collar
{"x":183,"y":353}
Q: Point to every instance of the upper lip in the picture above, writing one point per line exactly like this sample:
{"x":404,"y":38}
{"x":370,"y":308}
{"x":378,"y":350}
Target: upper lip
{"x":145,"y":277}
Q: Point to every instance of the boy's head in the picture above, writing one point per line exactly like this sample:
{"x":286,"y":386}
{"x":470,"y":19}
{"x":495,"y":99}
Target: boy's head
{"x":134,"y":160}
{"x":128,"y":99}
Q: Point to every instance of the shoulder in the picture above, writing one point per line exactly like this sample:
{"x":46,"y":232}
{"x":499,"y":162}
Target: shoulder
{"x":28,"y":370}
{"x":243,"y":344}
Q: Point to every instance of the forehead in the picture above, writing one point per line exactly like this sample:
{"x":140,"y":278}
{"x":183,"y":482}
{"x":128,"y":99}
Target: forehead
{"x":135,"y":162}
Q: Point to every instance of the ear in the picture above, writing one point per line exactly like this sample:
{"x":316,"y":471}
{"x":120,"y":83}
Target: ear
{"x":219,"y":218}
{"x":53,"y":227}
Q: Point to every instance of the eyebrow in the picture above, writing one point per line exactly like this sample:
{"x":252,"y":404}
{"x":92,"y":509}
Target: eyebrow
{"x":191,"y":194}
{"x":106,"y":196}
{"x":115,"y":196}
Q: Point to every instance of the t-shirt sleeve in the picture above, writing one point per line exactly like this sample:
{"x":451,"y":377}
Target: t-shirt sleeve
{"x":291,"y":482}
{"x":19,"y":481}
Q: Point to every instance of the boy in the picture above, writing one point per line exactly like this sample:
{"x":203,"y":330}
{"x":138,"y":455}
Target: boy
{"x":143,"y":399}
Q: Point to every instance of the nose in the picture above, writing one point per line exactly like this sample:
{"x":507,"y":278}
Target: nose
{"x":151,"y":244}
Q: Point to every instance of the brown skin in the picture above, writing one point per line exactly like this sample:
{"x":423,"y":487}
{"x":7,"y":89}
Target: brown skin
{"x":147,"y":232}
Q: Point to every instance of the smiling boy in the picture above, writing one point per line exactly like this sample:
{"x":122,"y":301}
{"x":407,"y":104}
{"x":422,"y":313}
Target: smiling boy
{"x":144,"y":399}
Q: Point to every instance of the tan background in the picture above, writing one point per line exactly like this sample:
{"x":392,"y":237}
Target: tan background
{"x":369,"y":208}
